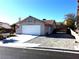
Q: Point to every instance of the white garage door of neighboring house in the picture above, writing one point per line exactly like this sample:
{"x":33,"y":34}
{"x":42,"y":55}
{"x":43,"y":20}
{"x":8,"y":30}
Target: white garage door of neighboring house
{"x":31,"y":29}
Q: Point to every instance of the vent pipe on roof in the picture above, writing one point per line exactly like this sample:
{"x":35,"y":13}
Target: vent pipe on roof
{"x":44,"y":19}
{"x":19,"y":19}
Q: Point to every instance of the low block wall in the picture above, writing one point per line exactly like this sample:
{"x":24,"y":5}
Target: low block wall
{"x":75,"y":35}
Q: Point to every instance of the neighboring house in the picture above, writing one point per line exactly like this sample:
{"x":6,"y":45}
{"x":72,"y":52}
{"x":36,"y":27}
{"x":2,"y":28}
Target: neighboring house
{"x":4,"y":27}
{"x":34,"y":26}
{"x":61,"y":27}
{"x":58,"y":25}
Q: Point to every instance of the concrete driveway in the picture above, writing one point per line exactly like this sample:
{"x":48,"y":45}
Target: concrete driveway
{"x":41,"y":41}
{"x":20,"y":41}
{"x":60,"y":40}
{"x":23,"y":38}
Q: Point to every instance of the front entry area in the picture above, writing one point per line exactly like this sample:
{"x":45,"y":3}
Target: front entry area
{"x":31,"y":29}
{"x":62,"y":34}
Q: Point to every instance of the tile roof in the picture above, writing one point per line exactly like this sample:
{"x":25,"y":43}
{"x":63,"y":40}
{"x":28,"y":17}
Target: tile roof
{"x":5,"y":25}
{"x":49,"y":21}
{"x":27,"y":18}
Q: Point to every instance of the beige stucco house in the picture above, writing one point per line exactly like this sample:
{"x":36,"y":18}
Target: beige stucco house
{"x":34,"y":26}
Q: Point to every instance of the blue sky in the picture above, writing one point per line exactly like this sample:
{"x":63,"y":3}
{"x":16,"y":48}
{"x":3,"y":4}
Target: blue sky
{"x":11,"y":10}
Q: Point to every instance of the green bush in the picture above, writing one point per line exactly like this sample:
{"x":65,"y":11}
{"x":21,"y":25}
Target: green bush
{"x":11,"y":35}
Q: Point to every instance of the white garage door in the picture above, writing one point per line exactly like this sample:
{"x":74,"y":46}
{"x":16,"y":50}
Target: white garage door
{"x":31,"y":29}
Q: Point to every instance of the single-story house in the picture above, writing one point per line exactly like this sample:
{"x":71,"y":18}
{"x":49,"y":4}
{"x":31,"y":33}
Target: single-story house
{"x":4,"y":27}
{"x":34,"y":26}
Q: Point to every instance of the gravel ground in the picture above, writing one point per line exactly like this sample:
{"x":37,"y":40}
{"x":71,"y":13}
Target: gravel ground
{"x":54,"y":42}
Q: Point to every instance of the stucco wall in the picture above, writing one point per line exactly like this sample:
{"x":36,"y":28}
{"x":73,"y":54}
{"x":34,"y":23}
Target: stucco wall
{"x":19,"y":30}
{"x":49,"y":31}
{"x":31,"y":21}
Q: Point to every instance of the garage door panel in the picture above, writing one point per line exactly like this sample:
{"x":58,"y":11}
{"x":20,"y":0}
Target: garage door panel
{"x":31,"y":29}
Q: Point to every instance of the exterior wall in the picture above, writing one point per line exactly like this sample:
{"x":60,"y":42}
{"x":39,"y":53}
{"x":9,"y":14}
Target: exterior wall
{"x":46,"y":29}
{"x":42,"y":29}
{"x":49,"y":29}
{"x":31,"y":21}
{"x":19,"y":30}
{"x":54,"y":25}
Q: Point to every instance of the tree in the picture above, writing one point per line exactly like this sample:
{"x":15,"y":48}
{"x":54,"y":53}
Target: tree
{"x":13,"y":28}
{"x":70,"y":16}
{"x":70,"y":20}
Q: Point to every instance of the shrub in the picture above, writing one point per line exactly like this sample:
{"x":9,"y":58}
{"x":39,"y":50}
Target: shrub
{"x":1,"y":37}
{"x":11,"y":35}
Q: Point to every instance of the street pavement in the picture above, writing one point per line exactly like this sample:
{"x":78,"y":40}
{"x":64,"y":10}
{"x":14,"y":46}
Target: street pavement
{"x":20,"y":53}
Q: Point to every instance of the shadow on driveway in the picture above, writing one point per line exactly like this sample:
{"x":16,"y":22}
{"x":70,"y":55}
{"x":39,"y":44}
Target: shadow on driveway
{"x":61,"y":35}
